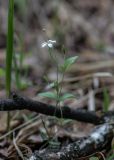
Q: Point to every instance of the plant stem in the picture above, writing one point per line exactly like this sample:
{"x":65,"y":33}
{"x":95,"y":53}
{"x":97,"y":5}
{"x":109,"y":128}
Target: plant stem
{"x":60,"y":89}
{"x":9,"y":53}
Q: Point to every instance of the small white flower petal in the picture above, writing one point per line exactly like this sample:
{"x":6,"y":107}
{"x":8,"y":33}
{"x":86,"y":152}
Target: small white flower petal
{"x":51,"y":41}
{"x":50,"y":45}
{"x":44,"y":44}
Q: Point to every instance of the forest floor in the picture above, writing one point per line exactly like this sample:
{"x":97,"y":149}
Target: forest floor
{"x":86,"y":29}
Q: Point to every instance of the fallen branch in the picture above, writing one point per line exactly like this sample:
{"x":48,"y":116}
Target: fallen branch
{"x":97,"y":140}
{"x":20,"y":103}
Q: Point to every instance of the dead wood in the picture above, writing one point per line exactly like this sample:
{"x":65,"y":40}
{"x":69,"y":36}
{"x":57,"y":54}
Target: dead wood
{"x":98,"y":140}
{"x":20,"y":103}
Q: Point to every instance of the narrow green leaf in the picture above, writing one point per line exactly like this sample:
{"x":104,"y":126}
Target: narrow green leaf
{"x":66,"y":121}
{"x":94,"y":158}
{"x":9,"y":52}
{"x":53,"y":84}
{"x":64,"y":50}
{"x":54,"y":144}
{"x":50,"y":95}
{"x":2,"y":72}
{"x":67,"y":63}
{"x":70,"y":61}
{"x":67,"y":96}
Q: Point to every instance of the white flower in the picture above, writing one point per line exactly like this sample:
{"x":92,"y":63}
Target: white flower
{"x":49,"y":43}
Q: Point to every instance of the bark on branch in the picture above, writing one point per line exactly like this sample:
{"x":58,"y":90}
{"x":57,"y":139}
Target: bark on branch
{"x":97,"y":140}
{"x":20,"y":103}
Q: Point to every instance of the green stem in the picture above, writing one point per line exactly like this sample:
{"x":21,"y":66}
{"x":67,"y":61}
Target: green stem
{"x":9,"y":53}
{"x":60,"y":89}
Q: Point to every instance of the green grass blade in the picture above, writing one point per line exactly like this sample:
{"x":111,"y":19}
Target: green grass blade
{"x":9,"y":52}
